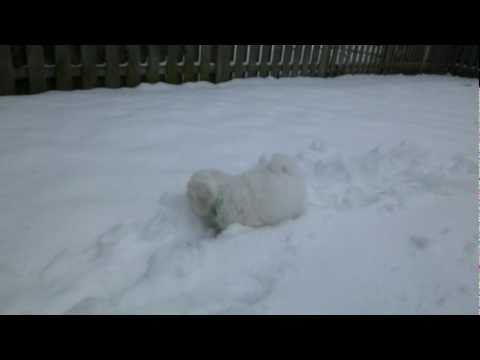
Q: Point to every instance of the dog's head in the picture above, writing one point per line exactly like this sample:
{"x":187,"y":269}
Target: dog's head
{"x":203,"y":191}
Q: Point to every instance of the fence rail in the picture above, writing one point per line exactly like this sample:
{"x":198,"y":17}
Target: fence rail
{"x":30,"y":69}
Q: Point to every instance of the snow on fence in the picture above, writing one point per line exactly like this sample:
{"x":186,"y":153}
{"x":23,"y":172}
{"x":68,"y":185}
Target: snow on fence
{"x":37,"y":68}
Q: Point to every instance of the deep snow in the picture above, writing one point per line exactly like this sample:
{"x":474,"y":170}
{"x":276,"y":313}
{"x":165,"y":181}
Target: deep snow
{"x":94,"y":216}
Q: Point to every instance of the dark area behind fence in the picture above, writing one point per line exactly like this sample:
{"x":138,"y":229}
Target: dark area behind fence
{"x":30,"y":69}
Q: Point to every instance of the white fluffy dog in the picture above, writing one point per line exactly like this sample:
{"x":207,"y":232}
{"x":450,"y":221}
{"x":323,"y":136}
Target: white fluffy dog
{"x":271,"y":192}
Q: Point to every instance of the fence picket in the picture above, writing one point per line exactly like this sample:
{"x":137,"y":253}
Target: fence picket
{"x":341,"y":60}
{"x":254,"y":54}
{"x":324,"y":60}
{"x":89,"y":68}
{"x":112,"y":60}
{"x":352,"y":68}
{"x":222,"y":64}
{"x":205,"y":59}
{"x":36,"y":69}
{"x":133,"y":77}
{"x":264,"y":61}
{"x":172,"y":64}
{"x":153,"y":66}
{"x":277,"y":57}
{"x":189,"y":69}
{"x":332,"y":60}
{"x":315,"y":58}
{"x":240,"y":57}
{"x":305,"y":70}
{"x":373,"y":59}
{"x":63,"y":67}
{"x":297,"y":54}
{"x":287,"y":58}
{"x":7,"y":71}
{"x":471,"y":61}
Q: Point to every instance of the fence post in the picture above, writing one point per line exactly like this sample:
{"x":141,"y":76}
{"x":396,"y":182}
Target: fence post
{"x":36,"y":69}
{"x":222,"y":64}
{"x":7,"y":74}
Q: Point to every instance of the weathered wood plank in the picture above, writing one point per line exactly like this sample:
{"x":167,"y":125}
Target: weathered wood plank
{"x":332,"y":66}
{"x":381,"y":59}
{"x":341,"y":60}
{"x":240,"y":59}
{"x":63,"y":67}
{"x":324,"y":60}
{"x":365,"y":57}
{"x":277,"y":57}
{"x":473,"y":61}
{"x":36,"y":69}
{"x":390,"y":68}
{"x":305,"y":67}
{"x":253,"y":60}
{"x":379,"y":55}
{"x":425,"y":57}
{"x":189,"y":69}
{"x":347,"y":59}
{"x":153,"y":66}
{"x":399,"y":55}
{"x":112,"y":60}
{"x":297,"y":54}
{"x":353,"y":57}
{"x":406,"y":59}
{"x":205,"y":59}
{"x":7,"y":71}
{"x":172,"y":76}
{"x":372,"y":59}
{"x":222,"y":64}
{"x":419,"y":58}
{"x":409,"y":59}
{"x":315,"y":60}
{"x":133,"y":77}
{"x":89,"y":68}
{"x":264,"y":61}
{"x":287,"y":58}
{"x":356,"y":60}
{"x":467,"y":50}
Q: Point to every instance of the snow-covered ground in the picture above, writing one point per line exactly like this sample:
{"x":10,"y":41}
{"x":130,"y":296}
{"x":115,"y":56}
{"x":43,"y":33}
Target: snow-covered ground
{"x":94,"y":217}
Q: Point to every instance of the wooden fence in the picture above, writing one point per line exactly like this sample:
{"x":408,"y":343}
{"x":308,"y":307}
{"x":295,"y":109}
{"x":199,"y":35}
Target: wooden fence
{"x":34,"y":69}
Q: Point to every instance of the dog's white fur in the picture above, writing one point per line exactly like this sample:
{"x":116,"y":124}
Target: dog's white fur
{"x":271,"y":192}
